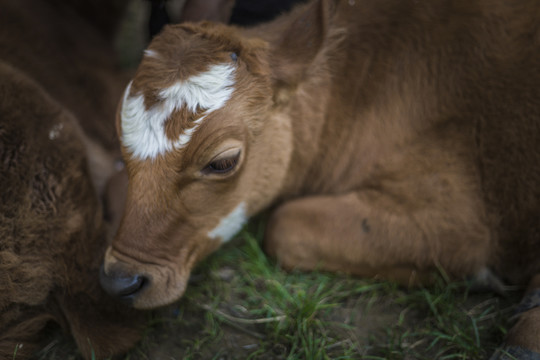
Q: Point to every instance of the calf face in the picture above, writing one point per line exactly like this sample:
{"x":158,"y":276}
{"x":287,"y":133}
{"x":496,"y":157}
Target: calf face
{"x":200,"y":158}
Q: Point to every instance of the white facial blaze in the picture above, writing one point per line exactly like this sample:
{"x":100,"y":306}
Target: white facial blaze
{"x":231,"y":224}
{"x":143,"y":131}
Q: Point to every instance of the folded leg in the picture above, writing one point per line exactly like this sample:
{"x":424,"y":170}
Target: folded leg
{"x":370,"y":233}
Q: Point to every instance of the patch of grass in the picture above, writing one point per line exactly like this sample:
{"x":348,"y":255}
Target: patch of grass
{"x":254,"y":310}
{"x":287,"y":313}
{"x":241,"y":305}
{"x":449,"y":323}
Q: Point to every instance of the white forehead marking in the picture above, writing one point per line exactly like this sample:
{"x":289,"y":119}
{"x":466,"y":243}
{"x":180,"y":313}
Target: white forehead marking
{"x":143,"y":131}
{"x":231,"y":224}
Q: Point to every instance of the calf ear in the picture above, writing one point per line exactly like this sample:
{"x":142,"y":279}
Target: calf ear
{"x":100,"y":161}
{"x":100,"y":165}
{"x":305,"y":34}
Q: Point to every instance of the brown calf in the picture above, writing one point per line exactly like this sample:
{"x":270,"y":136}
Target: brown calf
{"x":58,"y":84}
{"x":391,"y":137}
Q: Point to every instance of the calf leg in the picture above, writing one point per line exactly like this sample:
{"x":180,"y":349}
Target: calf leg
{"x":368,"y":233}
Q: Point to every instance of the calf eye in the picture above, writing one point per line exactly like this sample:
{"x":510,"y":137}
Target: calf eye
{"x":222,"y":165}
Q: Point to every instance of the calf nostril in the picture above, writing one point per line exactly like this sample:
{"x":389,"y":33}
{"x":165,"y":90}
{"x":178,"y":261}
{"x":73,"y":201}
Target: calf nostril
{"x":122,"y":285}
{"x":130,"y":286}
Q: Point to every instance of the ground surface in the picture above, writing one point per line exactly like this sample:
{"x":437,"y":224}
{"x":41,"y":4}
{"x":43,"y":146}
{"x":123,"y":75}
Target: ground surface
{"x":240,"y":305}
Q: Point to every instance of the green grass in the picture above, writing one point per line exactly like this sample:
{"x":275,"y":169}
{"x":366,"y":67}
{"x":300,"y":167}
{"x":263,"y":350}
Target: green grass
{"x":240,"y":305}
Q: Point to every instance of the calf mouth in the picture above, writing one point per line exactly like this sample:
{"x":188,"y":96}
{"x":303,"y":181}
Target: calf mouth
{"x":123,"y":286}
{"x":139,"y":285}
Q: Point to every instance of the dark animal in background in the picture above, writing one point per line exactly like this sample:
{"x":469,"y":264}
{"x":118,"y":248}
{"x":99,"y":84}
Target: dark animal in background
{"x":58,"y":91}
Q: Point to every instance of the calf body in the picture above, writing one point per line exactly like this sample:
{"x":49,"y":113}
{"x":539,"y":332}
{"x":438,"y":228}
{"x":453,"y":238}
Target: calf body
{"x":390,"y":138}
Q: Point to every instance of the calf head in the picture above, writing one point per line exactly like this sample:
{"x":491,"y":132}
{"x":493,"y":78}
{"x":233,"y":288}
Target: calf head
{"x":199,"y":155}
{"x":207,"y":142}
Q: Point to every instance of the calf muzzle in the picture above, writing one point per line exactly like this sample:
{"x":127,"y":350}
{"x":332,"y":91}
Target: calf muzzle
{"x":125,"y":287}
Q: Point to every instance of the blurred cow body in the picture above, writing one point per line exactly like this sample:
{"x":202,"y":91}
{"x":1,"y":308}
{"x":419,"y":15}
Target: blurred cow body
{"x":58,"y":91}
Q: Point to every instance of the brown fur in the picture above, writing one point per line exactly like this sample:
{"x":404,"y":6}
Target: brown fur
{"x":58,"y":92}
{"x":212,"y":10}
{"x":391,"y":137}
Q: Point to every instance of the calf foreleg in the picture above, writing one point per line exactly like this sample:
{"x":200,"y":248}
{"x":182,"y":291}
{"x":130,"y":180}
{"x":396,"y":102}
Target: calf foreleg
{"x":370,"y":233}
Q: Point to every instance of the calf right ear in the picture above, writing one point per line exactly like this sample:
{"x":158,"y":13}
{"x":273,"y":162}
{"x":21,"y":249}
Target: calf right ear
{"x":306,"y":32}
